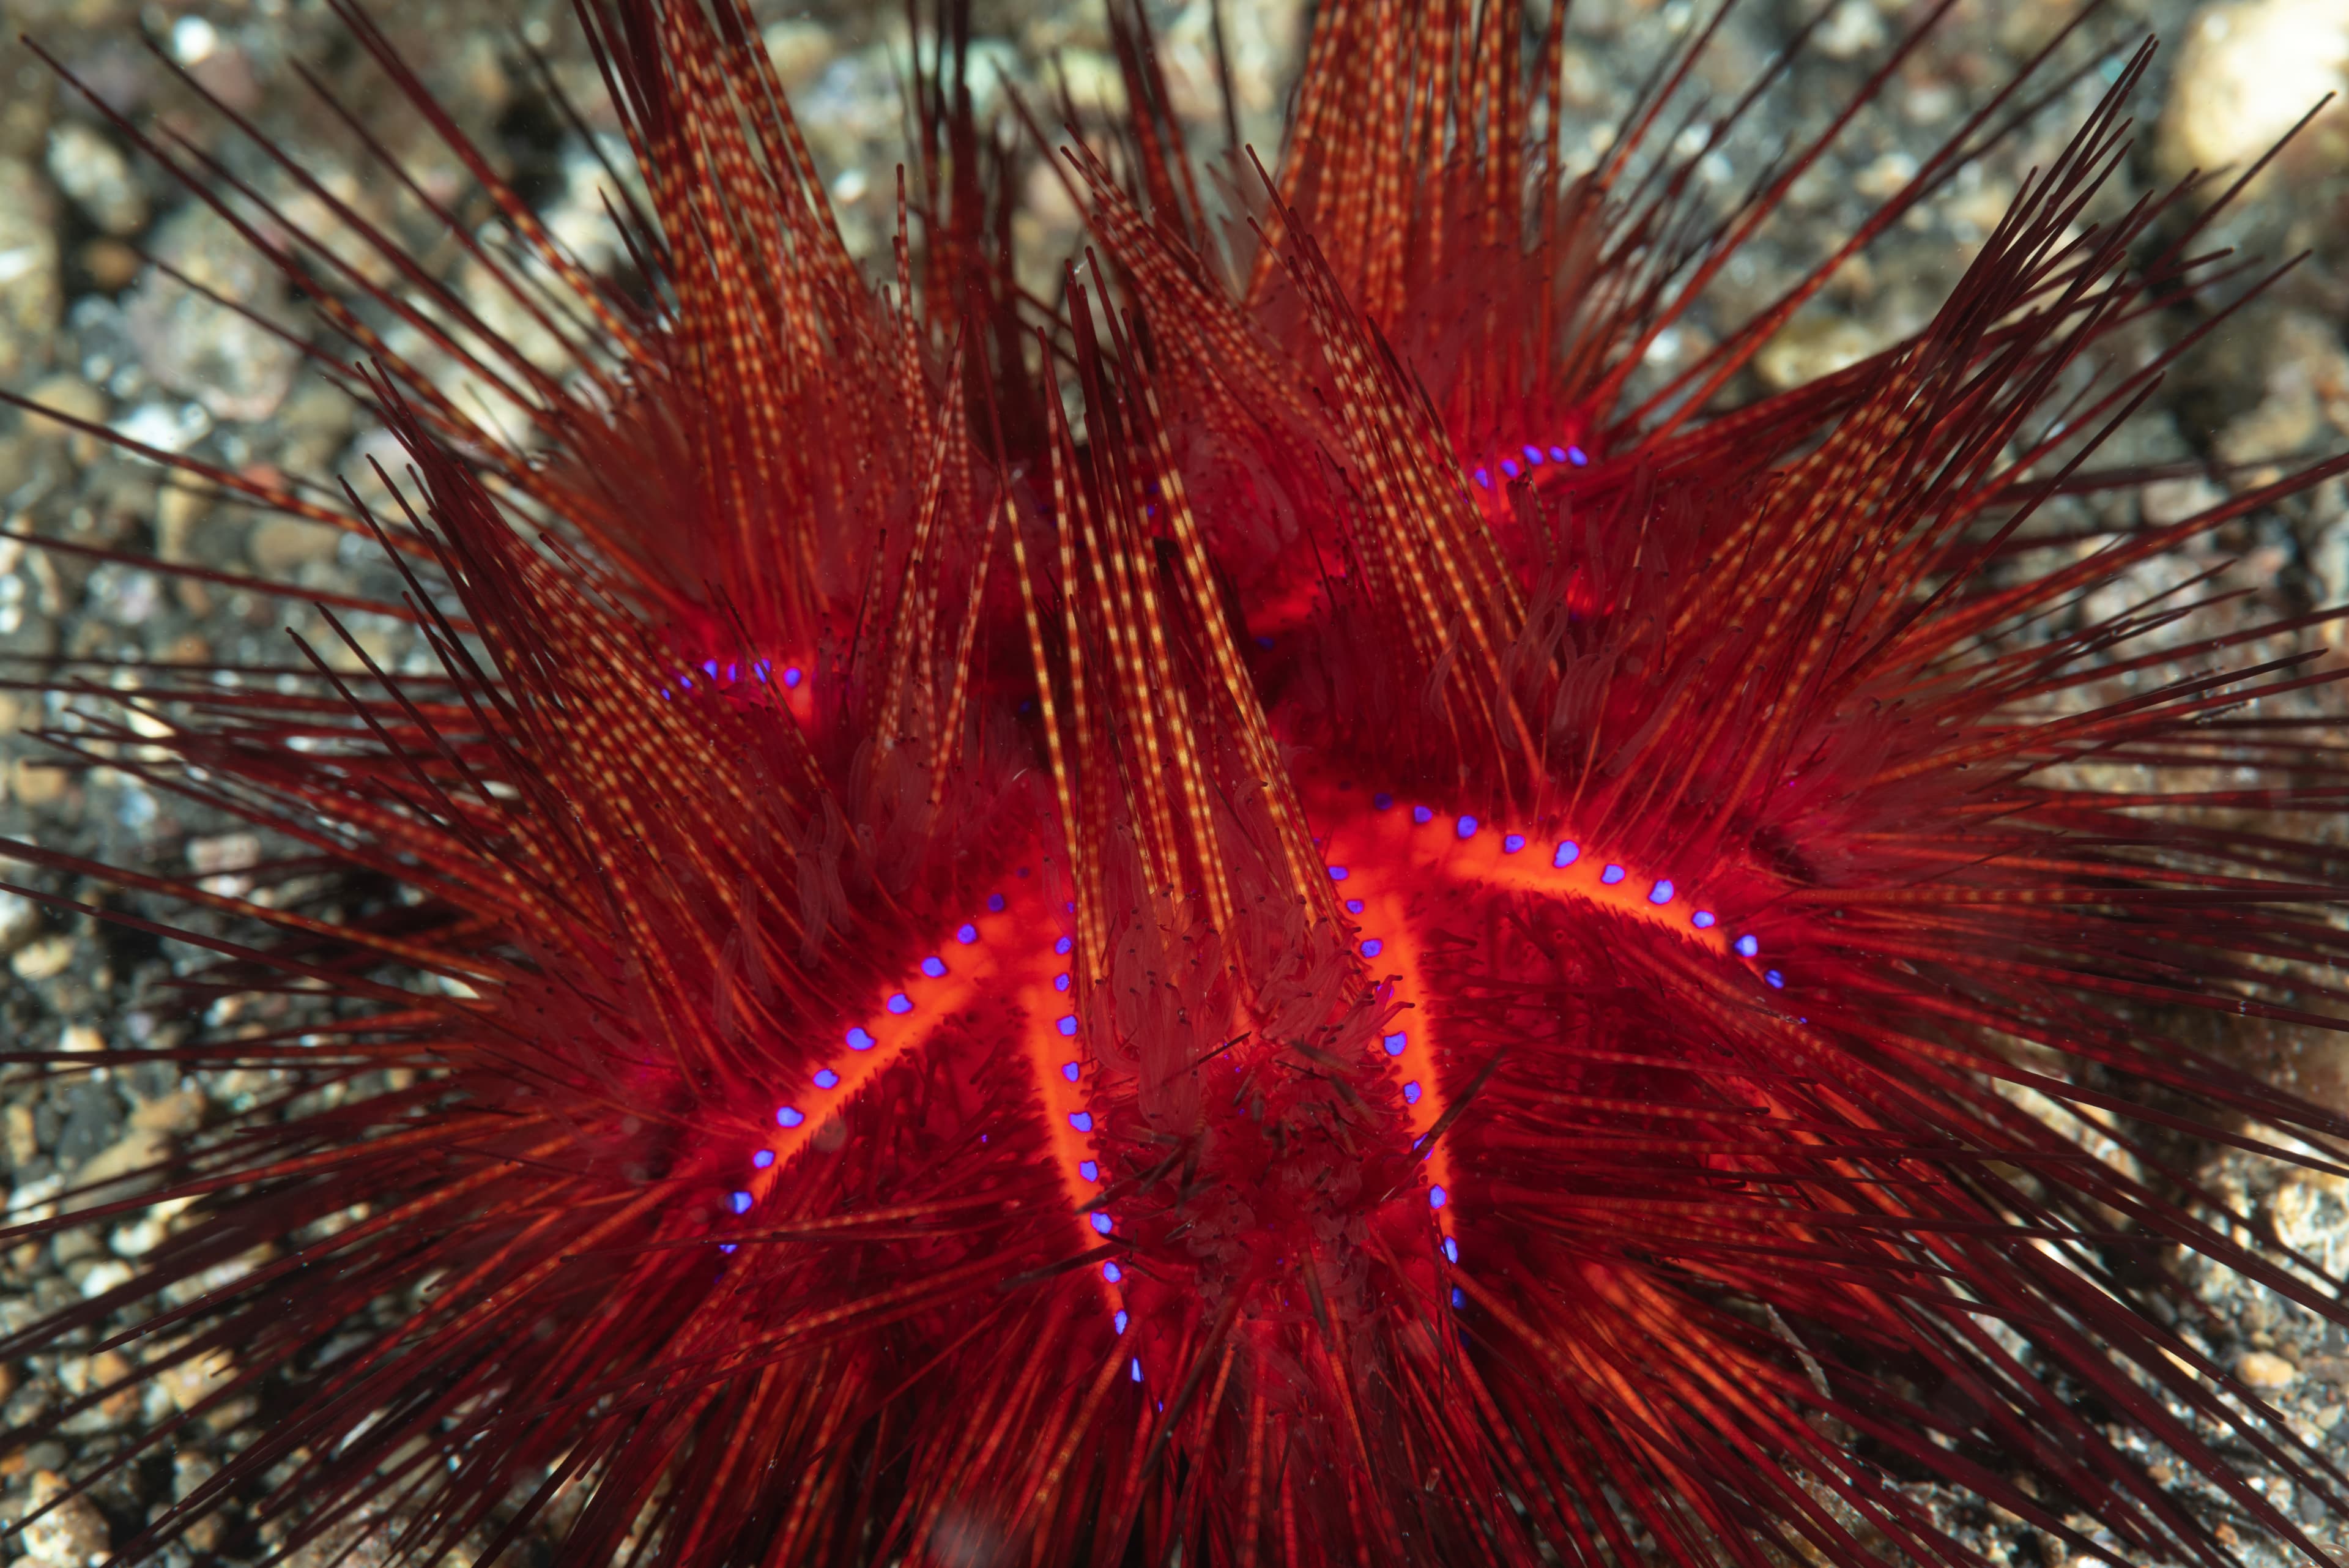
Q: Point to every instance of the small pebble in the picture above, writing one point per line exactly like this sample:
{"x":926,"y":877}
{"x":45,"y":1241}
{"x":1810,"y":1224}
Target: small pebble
{"x":95,"y":176}
{"x":2266,"y":1371}
{"x":30,"y":292}
{"x":74,"y":1534}
{"x":48,"y":957}
{"x":2246,"y":73}
{"x":280,"y":545}
{"x":20,"y":920}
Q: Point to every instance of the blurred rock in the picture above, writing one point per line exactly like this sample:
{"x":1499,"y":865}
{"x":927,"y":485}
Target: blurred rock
{"x":95,"y":176}
{"x":124,"y":1163}
{"x":800,"y":50}
{"x":112,"y":266}
{"x":2306,"y":392}
{"x":20,"y":920}
{"x":69,"y":395}
{"x":280,"y":545}
{"x":189,"y":1383}
{"x":1853,"y":28}
{"x":73,"y":1534}
{"x":2248,"y":72}
{"x":2266,"y":1371}
{"x":1812,"y":346}
{"x":203,"y":349}
{"x":29,"y":293}
{"x":48,"y":957}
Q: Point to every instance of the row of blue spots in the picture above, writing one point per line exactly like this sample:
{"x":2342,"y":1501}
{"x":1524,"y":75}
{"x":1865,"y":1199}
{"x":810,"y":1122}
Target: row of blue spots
{"x":858,"y":1037}
{"x":1660,"y":892}
{"x":759,"y":668}
{"x":1573,"y":455}
{"x":1090,"y":1170}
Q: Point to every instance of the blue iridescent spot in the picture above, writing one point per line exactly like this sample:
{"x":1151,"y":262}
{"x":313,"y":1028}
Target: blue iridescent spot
{"x":1558,"y":455}
{"x":741,"y":1201}
{"x":1577,"y":456}
{"x":759,"y":668}
{"x":789,"y":1117}
{"x":726,"y":1247}
{"x":1484,"y":479}
{"x":686,"y":682}
{"x":1513,"y":842}
{"x":1452,"y":1249}
{"x":1060,"y":982}
{"x":1394,"y":1043}
{"x":1372,"y":947}
{"x":1067,"y":1025}
{"x":1702,"y":919}
{"x":1353,"y":906}
{"x":1137,"y":1369}
{"x":1118,"y":1318}
{"x":1774,"y":978}
{"x":1567,"y":853}
{"x":1101,"y":1223}
{"x":1062,"y":946}
{"x":1532,"y":455}
{"x":933,"y":966}
{"x":995,"y":903}
{"x":1510,"y":466}
{"x":1089,"y":1170}
{"x":1437,"y":1197}
{"x":1459,"y":1297}
{"x":1337,"y":873}
{"x":966,"y":933}
{"x":763,"y":1159}
{"x":1382,"y":801}
{"x":666,"y":697}
{"x":733,"y":671}
{"x":900,"y":1002}
{"x":1082,"y":1120}
{"x":1111,"y":1273}
{"x":1420,"y":813}
{"x":1071,"y":1070}
{"x":793,"y":675}
{"x":709,"y":668}
{"x":1411,"y":1093}
{"x":1747,"y":946}
{"x":1467,"y":828}
{"x":1611,"y":875}
{"x":826,"y":1078}
{"x":1661,"y":893}
{"x":858,"y":1039}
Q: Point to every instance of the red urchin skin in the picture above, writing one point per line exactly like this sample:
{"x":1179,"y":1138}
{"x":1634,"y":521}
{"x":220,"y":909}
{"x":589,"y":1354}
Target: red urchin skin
{"x":1709,"y":1214}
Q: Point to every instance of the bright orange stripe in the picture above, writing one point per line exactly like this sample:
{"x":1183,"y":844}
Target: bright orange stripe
{"x":1013,"y":959}
{"x":1405,"y":873}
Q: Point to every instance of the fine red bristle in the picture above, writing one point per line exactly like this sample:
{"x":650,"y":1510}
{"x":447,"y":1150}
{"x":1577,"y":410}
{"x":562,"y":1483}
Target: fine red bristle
{"x":1091,"y":937}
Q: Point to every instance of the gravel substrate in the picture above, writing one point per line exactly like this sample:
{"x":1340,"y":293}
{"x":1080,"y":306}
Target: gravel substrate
{"x":88,"y":327}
